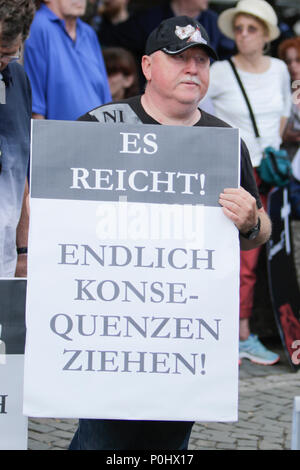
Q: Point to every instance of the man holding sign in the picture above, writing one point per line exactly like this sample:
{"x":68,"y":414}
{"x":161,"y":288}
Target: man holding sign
{"x":176,"y":67}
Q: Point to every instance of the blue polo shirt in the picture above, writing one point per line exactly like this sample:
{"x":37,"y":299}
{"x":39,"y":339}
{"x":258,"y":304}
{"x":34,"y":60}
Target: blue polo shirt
{"x":15,"y":147}
{"x":68,"y":78}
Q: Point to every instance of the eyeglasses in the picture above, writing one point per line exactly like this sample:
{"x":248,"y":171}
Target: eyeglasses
{"x":10,"y":58}
{"x":250,"y":29}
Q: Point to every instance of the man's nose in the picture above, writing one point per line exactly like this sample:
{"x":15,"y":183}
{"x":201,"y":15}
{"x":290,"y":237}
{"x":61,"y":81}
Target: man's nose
{"x":191,"y":65}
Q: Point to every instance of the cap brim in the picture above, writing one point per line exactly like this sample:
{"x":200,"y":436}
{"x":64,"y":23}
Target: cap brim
{"x":225,"y":23}
{"x":209,"y":50}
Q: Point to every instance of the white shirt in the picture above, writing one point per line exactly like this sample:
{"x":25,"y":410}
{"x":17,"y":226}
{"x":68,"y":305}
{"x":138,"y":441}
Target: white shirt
{"x":270,"y":98}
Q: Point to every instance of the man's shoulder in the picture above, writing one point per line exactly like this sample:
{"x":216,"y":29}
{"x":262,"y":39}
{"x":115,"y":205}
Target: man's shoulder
{"x":20,"y":89}
{"x":124,"y":111}
{"x":210,"y":14}
{"x":86,"y":28}
{"x":40,"y":18}
{"x":208,"y":120}
{"x":41,"y":24}
{"x":18,"y":73}
{"x":16,"y":69}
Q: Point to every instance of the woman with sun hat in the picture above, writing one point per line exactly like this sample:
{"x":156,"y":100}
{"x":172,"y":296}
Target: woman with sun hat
{"x":253,"y":25}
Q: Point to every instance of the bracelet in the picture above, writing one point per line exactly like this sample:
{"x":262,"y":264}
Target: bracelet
{"x":22,"y":250}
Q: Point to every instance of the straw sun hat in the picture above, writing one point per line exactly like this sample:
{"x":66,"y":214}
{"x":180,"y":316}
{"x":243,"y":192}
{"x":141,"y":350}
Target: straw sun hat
{"x":257,"y":8}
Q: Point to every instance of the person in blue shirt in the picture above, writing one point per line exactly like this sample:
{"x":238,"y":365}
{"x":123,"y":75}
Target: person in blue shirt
{"x":64,"y":62}
{"x":15,"y":114}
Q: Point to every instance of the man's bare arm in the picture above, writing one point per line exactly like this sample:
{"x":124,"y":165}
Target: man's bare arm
{"x":22,"y":236}
{"x":37,"y":116}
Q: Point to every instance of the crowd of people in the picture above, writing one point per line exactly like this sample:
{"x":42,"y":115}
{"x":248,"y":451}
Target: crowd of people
{"x":73,"y":64}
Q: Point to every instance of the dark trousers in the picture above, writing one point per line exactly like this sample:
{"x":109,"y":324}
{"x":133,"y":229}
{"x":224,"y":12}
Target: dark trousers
{"x":99,"y":434}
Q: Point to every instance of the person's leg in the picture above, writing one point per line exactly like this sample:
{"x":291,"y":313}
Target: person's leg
{"x":97,"y":434}
{"x":248,"y":264}
{"x":250,"y":347}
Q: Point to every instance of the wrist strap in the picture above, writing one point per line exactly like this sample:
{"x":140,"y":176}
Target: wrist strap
{"x":22,"y":250}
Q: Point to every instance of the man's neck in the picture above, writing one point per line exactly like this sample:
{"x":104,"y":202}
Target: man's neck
{"x":184,"y":115}
{"x":180,"y":7}
{"x":70,"y":21}
{"x":71,"y":27}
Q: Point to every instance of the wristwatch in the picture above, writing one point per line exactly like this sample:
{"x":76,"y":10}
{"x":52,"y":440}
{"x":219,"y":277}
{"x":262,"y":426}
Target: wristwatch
{"x":253,"y":232}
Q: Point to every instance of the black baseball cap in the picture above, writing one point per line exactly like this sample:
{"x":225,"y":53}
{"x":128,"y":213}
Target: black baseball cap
{"x":177,"y":34}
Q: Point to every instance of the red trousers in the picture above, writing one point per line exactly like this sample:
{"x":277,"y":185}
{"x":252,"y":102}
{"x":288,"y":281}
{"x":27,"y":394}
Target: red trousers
{"x":249,"y":260}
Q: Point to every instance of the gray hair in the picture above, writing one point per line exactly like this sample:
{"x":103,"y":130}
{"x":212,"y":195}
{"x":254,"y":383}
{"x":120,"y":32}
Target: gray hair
{"x":15,"y":18}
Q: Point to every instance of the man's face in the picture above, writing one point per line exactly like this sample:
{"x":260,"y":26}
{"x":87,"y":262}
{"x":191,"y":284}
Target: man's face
{"x":9,"y":51}
{"x":182,"y":78}
{"x":65,"y":9}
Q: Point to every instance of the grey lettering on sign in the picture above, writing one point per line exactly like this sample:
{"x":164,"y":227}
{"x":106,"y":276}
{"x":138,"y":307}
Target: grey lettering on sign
{"x":121,"y":256}
{"x":115,"y":326}
{"x":130,"y":362}
{"x":3,"y":404}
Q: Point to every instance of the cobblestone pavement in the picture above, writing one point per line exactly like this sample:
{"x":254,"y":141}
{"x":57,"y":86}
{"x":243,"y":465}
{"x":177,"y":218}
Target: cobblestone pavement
{"x":264,"y":417}
{"x":266,"y":395}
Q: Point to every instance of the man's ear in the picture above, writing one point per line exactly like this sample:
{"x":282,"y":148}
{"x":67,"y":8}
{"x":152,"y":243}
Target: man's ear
{"x":146,"y":66}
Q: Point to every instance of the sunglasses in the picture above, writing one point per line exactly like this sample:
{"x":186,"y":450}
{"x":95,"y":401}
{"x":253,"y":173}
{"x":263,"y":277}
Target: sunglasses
{"x":250,"y":29}
{"x":9,"y":58}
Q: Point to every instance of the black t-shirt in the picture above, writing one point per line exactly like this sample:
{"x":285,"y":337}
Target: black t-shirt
{"x":131,"y":111}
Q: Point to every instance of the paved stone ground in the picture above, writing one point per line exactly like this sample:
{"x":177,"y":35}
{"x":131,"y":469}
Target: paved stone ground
{"x":265,"y":414}
{"x":266,"y":397}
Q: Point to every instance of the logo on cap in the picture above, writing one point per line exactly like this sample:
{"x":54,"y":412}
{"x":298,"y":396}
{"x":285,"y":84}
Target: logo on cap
{"x":193,"y":34}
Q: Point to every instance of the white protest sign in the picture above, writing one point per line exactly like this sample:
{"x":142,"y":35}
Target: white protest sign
{"x":133,"y":273}
{"x":295,"y":441}
{"x":13,"y":424}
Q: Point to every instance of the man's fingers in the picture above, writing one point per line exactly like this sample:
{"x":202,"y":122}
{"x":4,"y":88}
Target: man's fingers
{"x":240,"y":207}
